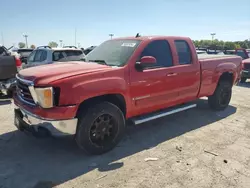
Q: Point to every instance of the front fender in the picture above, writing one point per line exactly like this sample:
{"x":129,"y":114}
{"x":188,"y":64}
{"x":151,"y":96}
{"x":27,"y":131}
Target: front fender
{"x":98,"y":87}
{"x":73,"y":91}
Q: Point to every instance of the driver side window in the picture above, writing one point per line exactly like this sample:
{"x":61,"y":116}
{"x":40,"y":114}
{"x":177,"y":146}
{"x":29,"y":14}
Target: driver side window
{"x":160,"y":50}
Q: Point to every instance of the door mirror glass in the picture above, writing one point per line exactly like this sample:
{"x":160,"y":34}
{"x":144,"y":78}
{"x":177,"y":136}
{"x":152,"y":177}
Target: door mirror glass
{"x":145,"y":61}
{"x":148,"y":60}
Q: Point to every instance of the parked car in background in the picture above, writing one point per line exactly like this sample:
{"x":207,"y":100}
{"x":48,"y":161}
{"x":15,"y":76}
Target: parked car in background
{"x":244,"y":53}
{"x":245,"y":70}
{"x":133,"y":78}
{"x":89,"y":49}
{"x":45,"y":55}
{"x":9,"y":66}
{"x":24,"y":53}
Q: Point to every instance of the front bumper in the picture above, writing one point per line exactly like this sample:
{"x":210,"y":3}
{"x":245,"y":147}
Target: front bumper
{"x":245,"y":74}
{"x":26,"y":121}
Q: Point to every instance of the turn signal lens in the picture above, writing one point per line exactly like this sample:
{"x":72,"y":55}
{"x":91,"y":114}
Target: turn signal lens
{"x":45,"y":97}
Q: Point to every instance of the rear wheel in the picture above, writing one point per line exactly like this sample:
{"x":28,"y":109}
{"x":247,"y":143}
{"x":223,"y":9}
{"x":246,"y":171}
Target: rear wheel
{"x":221,"y":97}
{"x":243,"y":80}
{"x":100,"y":129}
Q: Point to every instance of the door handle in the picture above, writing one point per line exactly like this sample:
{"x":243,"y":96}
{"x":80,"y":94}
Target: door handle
{"x":172,"y":74}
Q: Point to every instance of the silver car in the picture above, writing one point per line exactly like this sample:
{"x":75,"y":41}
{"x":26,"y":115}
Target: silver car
{"x":45,"y":55}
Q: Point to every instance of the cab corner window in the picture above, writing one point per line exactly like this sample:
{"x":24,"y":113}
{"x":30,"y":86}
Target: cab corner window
{"x":184,"y":52}
{"x":160,"y":50}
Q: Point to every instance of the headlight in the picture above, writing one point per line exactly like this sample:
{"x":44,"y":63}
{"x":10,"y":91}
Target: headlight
{"x":45,"y":97}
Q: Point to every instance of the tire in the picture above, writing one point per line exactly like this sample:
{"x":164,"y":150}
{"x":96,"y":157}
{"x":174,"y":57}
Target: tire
{"x":243,"y":80}
{"x":221,"y":97}
{"x":100,"y":128}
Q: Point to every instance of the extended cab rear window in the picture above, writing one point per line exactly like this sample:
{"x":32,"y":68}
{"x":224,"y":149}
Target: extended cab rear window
{"x":183,"y":51}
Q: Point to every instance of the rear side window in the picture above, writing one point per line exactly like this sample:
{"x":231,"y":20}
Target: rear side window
{"x":57,"y":55}
{"x":161,"y":51}
{"x":73,"y":52}
{"x":184,"y":52}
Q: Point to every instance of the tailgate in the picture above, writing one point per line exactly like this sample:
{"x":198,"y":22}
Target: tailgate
{"x":8,"y":67}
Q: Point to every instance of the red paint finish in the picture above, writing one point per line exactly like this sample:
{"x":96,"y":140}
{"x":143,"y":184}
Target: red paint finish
{"x":56,"y":113}
{"x":144,"y":92}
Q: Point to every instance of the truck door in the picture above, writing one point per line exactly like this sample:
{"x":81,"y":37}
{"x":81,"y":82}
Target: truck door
{"x":187,"y":71}
{"x":153,"y":87}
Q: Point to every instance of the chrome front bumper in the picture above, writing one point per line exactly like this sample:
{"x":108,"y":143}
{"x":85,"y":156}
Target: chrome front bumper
{"x":25,"y":120}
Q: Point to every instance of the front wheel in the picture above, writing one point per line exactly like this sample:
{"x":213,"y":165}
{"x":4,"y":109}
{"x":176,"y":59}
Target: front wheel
{"x":221,"y":97}
{"x":100,"y":129}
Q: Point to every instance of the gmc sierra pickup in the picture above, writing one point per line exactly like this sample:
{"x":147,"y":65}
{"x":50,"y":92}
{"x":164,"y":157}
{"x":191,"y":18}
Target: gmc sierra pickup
{"x":134,"y":78}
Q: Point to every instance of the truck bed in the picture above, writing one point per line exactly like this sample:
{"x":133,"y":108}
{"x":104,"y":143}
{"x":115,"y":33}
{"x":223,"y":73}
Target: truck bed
{"x":212,"y":65}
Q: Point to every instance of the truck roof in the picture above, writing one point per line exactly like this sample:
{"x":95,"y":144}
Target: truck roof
{"x":153,"y":37}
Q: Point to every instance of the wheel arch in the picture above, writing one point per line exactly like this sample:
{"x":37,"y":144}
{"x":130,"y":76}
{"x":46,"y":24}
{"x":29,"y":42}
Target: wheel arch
{"x":116,"y":99}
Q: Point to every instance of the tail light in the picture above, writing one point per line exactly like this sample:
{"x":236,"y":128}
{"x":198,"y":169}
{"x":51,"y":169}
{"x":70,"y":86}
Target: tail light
{"x":18,"y":64}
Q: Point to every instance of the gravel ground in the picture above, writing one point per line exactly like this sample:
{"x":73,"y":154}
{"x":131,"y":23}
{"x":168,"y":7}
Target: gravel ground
{"x":195,"y":148}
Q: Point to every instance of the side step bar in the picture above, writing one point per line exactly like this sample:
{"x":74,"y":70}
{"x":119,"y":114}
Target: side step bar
{"x":156,"y":115}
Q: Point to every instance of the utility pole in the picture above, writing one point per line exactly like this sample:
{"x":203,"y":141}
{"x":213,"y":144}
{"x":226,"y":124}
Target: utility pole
{"x":61,"y":42}
{"x":26,"y":40}
{"x":111,"y":36}
{"x":2,"y":38}
{"x":213,"y":34}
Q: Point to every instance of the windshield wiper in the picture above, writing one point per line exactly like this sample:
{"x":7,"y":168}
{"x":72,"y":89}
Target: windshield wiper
{"x":99,"y":61}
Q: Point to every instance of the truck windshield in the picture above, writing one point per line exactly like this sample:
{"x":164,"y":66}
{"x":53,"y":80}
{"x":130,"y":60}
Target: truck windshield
{"x":113,"y":52}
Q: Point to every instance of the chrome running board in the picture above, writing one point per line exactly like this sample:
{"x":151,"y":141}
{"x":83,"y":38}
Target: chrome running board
{"x":156,"y":115}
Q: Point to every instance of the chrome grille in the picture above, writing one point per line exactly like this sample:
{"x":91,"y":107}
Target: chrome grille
{"x":23,"y":92}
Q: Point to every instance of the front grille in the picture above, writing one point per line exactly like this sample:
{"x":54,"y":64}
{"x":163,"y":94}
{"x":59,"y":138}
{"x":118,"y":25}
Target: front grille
{"x":247,"y":66}
{"x":23,"y":92}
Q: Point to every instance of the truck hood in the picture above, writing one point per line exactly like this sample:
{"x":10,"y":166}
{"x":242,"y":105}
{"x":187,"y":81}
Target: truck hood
{"x":48,"y":73}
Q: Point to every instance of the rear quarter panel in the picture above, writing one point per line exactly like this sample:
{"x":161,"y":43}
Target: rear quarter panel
{"x":213,"y":68}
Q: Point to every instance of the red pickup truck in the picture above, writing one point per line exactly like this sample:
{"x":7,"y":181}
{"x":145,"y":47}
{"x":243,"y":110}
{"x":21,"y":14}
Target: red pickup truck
{"x":133,"y":78}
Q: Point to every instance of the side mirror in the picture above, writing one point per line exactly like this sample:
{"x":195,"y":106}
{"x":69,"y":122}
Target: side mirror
{"x":148,"y":60}
{"x":145,"y":61}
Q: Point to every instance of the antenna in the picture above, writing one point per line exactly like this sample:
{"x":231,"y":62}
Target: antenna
{"x":137,"y":35}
